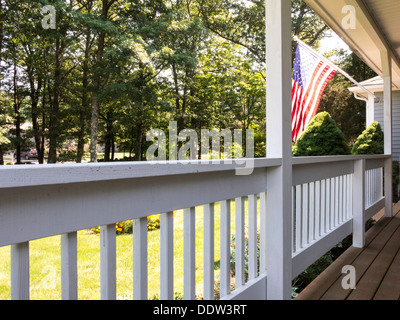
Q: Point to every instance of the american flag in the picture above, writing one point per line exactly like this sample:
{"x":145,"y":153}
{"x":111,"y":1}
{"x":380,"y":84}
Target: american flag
{"x":310,"y":77}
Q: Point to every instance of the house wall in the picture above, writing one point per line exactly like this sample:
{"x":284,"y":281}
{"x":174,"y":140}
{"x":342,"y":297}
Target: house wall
{"x":378,"y":116}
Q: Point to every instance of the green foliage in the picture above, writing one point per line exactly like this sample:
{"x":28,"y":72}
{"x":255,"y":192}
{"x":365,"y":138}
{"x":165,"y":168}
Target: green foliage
{"x":395,"y":180}
{"x":370,"y":141}
{"x":306,"y":25}
{"x":246,"y":253}
{"x":339,"y":102}
{"x":396,"y":168}
{"x":3,"y":138}
{"x":321,"y":138}
{"x":308,"y":275}
{"x":126,"y":227}
{"x":137,"y":65}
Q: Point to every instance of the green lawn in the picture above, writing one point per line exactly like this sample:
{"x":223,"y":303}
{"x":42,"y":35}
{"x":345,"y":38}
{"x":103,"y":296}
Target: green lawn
{"x":45,"y":270}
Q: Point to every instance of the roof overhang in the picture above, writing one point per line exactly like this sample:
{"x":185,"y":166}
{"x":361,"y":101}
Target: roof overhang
{"x":373,"y":85}
{"x":376,"y":29}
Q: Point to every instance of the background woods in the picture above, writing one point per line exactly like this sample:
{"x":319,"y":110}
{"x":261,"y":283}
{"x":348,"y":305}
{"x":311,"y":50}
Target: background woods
{"x":112,"y":70}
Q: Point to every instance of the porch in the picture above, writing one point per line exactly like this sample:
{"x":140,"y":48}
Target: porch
{"x":376,"y":266}
{"x":331,"y":198}
{"x":297,"y":208}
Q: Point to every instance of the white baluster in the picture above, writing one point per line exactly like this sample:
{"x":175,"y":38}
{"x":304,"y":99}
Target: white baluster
{"x":167,"y":256}
{"x":140,"y":274}
{"x":225,"y":255}
{"x":20,"y":271}
{"x":252,"y":235}
{"x":208,"y":251}
{"x":263,"y":230}
{"x":69,"y":267}
{"x":239,"y":242}
{"x":189,"y":244}
{"x":108,"y":283}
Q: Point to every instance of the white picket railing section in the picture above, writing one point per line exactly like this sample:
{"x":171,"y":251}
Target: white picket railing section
{"x":320,"y":206}
{"x":41,"y":201}
{"x":323,"y":204}
{"x":373,"y":186}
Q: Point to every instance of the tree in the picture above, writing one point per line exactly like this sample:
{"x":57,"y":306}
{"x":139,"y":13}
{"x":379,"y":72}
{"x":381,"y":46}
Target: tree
{"x":63,"y":38}
{"x":370,"y":141}
{"x":6,"y":107}
{"x":321,"y":138}
{"x":306,"y":25}
{"x":339,"y":102}
{"x":240,"y":22}
{"x":114,"y":69}
{"x":35,"y":49}
{"x":100,"y":78}
{"x":80,"y":86}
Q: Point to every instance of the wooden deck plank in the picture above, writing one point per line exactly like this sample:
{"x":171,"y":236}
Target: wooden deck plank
{"x":372,"y":278}
{"x":362,"y":262}
{"x":316,"y":289}
{"x":390,"y":286}
{"x":328,"y":284}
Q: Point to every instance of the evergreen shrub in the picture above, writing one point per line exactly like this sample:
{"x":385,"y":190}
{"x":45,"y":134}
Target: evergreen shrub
{"x":370,"y":141}
{"x":321,"y":138}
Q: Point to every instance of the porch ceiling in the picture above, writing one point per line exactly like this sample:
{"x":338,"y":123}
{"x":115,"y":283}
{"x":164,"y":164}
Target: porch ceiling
{"x":377,"y":28}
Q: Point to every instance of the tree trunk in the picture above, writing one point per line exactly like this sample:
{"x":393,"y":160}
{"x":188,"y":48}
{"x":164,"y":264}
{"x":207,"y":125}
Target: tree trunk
{"x":139,"y":140}
{"x":97,"y":85}
{"x":54,"y":114}
{"x":95,"y":102}
{"x":108,"y":137}
{"x":43,"y":140}
{"x":113,"y":147}
{"x":34,"y":95}
{"x":17,"y":116}
{"x":36,"y":131}
{"x":84,"y":101}
{"x":94,"y":124}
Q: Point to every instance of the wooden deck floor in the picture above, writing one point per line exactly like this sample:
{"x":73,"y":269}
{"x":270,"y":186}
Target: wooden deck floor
{"x":377,"y":267}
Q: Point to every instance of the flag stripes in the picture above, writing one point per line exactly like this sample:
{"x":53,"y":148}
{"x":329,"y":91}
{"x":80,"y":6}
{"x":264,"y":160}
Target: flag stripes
{"x":310,"y":78}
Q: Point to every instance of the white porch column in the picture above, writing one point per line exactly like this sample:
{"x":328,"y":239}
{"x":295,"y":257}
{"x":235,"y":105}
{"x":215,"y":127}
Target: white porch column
{"x":370,"y":114}
{"x":279,"y":145}
{"x":387,"y":120}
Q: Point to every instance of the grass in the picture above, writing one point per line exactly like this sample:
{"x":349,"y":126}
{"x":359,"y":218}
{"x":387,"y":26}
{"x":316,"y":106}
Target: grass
{"x":45,"y":265}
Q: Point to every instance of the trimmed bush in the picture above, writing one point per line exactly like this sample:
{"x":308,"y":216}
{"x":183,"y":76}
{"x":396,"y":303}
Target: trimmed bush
{"x":321,"y":138}
{"x":370,"y":141}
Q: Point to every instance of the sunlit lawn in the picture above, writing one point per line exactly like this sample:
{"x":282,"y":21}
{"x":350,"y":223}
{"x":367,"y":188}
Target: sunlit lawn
{"x":45,"y":266}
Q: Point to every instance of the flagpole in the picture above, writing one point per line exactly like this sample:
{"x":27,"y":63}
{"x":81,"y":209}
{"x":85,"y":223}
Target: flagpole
{"x":332,"y":65}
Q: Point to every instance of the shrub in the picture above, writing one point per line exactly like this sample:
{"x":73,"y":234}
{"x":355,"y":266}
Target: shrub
{"x":246,"y":253}
{"x":125,"y":227}
{"x":395,"y":177}
{"x":120,"y":227}
{"x":321,"y":138}
{"x":370,"y":141}
{"x":153,"y":222}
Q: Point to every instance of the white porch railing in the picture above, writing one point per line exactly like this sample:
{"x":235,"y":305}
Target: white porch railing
{"x":323,"y":203}
{"x":41,"y":201}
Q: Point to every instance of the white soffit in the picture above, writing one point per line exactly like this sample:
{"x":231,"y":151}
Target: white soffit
{"x":376,"y":29}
